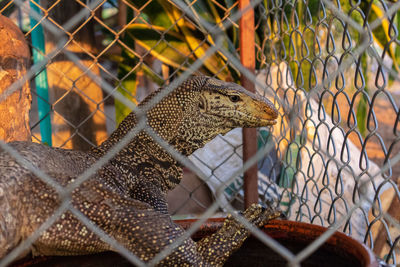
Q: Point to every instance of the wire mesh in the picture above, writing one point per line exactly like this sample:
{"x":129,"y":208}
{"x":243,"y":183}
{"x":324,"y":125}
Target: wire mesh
{"x":331,"y":68}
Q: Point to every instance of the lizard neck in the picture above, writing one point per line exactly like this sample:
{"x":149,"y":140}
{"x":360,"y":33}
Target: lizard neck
{"x":145,"y":159}
{"x":177,"y":120}
{"x":142,"y":160}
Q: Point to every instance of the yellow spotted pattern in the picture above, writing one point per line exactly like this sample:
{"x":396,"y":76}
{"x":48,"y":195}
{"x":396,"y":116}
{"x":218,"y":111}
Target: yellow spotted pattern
{"x":126,"y":197}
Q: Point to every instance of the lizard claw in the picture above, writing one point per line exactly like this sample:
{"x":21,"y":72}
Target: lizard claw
{"x":283,"y":216}
{"x":260,"y":215}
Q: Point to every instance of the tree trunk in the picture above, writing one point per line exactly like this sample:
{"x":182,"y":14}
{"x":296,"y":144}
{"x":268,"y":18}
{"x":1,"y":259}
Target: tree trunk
{"x":78,"y":120}
{"x":14,"y":61}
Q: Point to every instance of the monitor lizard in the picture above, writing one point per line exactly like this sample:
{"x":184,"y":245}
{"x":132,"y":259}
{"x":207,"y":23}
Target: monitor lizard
{"x":126,"y":198}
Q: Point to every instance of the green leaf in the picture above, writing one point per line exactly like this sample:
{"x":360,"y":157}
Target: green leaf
{"x":381,"y":34}
{"x":216,"y":63}
{"x":398,"y":36}
{"x":167,"y":46}
{"x":127,"y":76}
{"x":290,"y":160}
{"x":361,"y":114}
{"x":397,"y":51}
{"x":128,"y":86}
{"x":362,"y":107}
{"x":128,"y":83}
{"x":154,"y":12}
{"x":209,"y":12}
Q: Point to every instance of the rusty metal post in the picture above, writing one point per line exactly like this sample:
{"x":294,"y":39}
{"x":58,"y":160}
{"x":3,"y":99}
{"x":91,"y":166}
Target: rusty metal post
{"x":247,"y":58}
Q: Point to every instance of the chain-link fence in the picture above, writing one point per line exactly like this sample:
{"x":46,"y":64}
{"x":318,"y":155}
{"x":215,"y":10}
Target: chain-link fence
{"x":331,"y":68}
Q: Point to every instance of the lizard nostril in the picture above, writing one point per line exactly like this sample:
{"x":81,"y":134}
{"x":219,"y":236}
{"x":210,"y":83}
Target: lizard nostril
{"x":201,"y":104}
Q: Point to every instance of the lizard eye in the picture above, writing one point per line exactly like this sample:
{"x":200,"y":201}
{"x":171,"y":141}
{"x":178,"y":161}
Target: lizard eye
{"x":234,"y":98}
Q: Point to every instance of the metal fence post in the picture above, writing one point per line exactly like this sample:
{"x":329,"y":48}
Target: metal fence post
{"x":247,"y":58}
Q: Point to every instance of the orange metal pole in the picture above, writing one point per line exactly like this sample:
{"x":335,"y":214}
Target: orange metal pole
{"x":247,"y":58}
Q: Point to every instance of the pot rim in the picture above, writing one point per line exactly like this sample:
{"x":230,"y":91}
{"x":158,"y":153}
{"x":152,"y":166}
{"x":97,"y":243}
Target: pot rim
{"x":301,"y":231}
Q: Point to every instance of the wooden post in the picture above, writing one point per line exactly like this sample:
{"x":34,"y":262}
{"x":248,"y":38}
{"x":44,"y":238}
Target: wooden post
{"x":14,"y":62}
{"x":77,"y":99}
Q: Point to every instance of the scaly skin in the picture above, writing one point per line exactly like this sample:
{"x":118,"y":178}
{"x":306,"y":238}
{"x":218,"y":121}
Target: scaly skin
{"x":126,"y":197}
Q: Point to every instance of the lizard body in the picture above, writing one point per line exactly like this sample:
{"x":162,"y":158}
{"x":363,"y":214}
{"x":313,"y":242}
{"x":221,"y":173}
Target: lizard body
{"x":126,"y":197}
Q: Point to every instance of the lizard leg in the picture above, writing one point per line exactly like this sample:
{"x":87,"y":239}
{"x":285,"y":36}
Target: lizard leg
{"x":141,"y":229}
{"x":134,"y":224}
{"x":150,"y":194}
{"x":216,"y":249}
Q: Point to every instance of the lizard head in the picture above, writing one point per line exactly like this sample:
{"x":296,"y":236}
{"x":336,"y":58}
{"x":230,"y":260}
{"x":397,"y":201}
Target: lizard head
{"x":234,"y":106}
{"x":208,"y":107}
{"x":189,"y":117}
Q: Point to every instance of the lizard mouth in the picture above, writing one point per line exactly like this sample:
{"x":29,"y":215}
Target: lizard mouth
{"x":269,"y":122}
{"x":249,"y":120}
{"x":261,"y":122}
{"x":261,"y":119}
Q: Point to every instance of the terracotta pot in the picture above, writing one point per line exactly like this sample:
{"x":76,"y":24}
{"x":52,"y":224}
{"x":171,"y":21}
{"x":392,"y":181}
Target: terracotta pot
{"x":338,"y":250}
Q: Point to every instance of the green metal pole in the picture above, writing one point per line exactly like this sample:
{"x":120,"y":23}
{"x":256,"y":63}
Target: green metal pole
{"x":42,"y":86}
